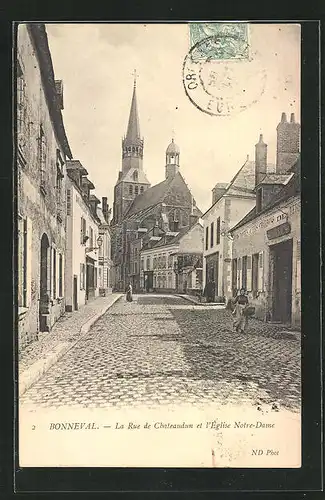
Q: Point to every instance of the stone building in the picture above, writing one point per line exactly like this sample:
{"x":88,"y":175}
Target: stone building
{"x":138,"y":206}
{"x":104,"y":251}
{"x":230,"y":202}
{"x":85,"y":238}
{"x":172,"y":261}
{"x":266,"y":242}
{"x":41,"y":152}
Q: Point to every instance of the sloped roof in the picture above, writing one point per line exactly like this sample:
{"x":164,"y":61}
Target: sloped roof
{"x":128,"y":176}
{"x":292,"y":188}
{"x":275,"y":179}
{"x":150,"y":197}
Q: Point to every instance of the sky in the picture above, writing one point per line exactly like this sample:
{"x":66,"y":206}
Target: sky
{"x":96,"y":63}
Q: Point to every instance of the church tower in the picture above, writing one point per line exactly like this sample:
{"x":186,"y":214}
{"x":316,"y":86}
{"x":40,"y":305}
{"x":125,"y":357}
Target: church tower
{"x":172,"y":160}
{"x":132,"y":143}
{"x":132,"y":180}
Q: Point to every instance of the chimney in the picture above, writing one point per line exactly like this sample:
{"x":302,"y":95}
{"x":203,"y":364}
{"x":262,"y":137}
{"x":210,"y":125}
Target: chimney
{"x":193,"y":218}
{"x":93,"y":202}
{"x":164,"y":217}
{"x":218,"y":191}
{"x":260,"y":160}
{"x":105,"y":208}
{"x":59,"y":93}
{"x":288,"y":141}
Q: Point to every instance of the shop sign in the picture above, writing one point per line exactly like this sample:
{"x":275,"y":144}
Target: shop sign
{"x":278,"y":231}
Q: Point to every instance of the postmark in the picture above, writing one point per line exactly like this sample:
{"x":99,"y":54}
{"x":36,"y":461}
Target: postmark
{"x":220,"y":77}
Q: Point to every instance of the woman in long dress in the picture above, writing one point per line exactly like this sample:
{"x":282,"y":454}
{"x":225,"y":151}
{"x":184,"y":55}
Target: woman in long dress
{"x":129,"y":297}
{"x":240,"y":319}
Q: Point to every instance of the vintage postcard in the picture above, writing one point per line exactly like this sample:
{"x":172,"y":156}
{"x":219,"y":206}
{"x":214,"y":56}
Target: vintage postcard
{"x":158,"y":297}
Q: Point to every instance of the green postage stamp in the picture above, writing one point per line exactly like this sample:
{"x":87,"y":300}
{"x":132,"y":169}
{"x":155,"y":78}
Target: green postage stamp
{"x":222,"y":41}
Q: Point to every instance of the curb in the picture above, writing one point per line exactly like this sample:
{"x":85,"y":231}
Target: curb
{"x":40,"y":367}
{"x":193,"y":301}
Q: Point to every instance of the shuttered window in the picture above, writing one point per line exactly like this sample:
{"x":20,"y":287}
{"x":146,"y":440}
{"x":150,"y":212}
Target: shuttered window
{"x":207,"y":238}
{"x":261,"y":271}
{"x":218,"y":231}
{"x":211,"y":234}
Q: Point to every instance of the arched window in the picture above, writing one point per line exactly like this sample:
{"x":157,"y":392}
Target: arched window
{"x":133,"y":149}
{"x":136,"y":190}
{"x":135,"y":175}
{"x":141,"y":189}
{"x":131,"y":189}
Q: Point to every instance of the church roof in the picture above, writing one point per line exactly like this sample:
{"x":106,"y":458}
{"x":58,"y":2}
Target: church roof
{"x":154,"y":195}
{"x":133,"y":131}
{"x":150,"y":197}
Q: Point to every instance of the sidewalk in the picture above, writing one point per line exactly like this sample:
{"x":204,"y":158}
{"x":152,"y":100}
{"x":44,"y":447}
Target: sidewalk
{"x":196,"y":300}
{"x":40,"y":355}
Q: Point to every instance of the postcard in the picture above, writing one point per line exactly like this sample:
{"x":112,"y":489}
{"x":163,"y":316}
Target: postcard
{"x":159,"y":297}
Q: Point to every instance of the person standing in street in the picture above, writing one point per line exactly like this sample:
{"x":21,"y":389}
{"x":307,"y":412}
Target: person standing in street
{"x":129,"y":297}
{"x":240,"y":318}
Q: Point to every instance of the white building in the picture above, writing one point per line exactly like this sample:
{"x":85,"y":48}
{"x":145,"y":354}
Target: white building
{"x":83,"y":242}
{"x":230,"y":203}
{"x":173,"y":261}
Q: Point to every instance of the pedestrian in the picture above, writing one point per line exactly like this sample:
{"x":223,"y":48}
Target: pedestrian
{"x":240,"y":318}
{"x":129,"y":297}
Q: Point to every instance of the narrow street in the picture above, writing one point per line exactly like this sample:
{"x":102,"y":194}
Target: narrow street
{"x":162,"y":350}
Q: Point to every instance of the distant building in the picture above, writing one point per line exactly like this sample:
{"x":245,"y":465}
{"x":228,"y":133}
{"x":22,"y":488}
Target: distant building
{"x":172,"y":261}
{"x":41,"y":152}
{"x":83,"y":238}
{"x":266,"y":242}
{"x":104,"y":251}
{"x":230,"y":202}
{"x":138,"y":207}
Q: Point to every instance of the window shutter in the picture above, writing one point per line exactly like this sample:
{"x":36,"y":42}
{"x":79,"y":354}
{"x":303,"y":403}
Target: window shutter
{"x":261,"y":271}
{"x":81,"y":230}
{"x":249,"y":273}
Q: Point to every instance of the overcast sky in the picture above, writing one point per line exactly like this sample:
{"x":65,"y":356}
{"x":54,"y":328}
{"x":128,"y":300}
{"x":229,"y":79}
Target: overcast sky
{"x":96,"y":62}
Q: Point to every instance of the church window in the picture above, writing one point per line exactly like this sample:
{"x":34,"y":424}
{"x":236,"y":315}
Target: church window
{"x":135,"y":175}
{"x":141,"y":189}
{"x":133,"y":150}
{"x":136,"y":190}
{"x":130,"y":189}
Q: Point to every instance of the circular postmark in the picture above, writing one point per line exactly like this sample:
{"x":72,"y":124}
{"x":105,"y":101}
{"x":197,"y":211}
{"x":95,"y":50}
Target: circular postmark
{"x":220,"y":78}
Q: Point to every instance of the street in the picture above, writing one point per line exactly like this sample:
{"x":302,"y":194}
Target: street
{"x":161,"y":350}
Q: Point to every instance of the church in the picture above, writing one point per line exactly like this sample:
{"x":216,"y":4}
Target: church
{"x":141,"y":210}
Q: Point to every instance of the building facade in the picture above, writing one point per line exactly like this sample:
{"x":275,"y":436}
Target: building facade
{"x":83,"y":242}
{"x":41,"y":152}
{"x":138,"y":207}
{"x":172,"y":261}
{"x":266,"y":243}
{"x":230,"y":202}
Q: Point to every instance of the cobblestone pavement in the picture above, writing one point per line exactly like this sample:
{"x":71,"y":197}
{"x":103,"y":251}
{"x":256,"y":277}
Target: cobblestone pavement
{"x":161,"y":349}
{"x":66,"y":329}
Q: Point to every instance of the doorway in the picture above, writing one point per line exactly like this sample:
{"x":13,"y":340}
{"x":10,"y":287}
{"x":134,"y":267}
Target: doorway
{"x":44,"y":302}
{"x":282,"y":281}
{"x":75,"y":292}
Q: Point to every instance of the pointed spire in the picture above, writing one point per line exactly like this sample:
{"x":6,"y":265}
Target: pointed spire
{"x":133,"y":131}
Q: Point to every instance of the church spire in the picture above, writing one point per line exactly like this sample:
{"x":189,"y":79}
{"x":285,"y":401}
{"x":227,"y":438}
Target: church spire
{"x":133,"y":131}
{"x":132,"y":144}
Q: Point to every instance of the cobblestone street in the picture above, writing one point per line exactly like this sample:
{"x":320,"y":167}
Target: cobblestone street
{"x":161,"y":349}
